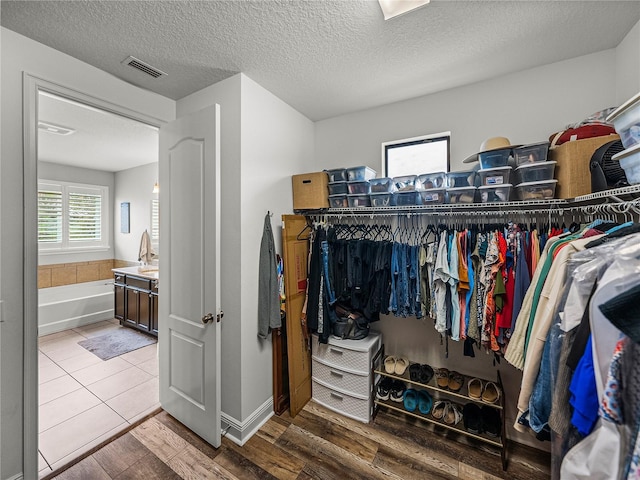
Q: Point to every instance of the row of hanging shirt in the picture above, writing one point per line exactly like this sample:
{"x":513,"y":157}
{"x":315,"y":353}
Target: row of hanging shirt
{"x":471,"y":282}
{"x":577,"y":340}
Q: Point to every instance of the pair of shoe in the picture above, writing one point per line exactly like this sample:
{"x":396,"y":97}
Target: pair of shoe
{"x":420,"y":373}
{"x":489,"y":393}
{"x":446,"y":411}
{"x":482,"y":420}
{"x":419,"y":399}
{"x":395,"y":365}
{"x":390,"y":389}
{"x":451,"y":380}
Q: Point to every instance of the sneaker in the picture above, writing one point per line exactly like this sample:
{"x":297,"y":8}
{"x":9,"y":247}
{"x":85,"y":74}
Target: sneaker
{"x":491,"y":422}
{"x":383,"y":388}
{"x":396,"y":393}
{"x":472,"y":418}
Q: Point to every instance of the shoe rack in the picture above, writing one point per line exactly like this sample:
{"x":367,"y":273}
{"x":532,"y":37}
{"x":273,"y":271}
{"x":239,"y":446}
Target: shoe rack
{"x":460,"y":398}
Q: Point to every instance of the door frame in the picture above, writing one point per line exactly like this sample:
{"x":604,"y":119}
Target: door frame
{"x":32,"y":85}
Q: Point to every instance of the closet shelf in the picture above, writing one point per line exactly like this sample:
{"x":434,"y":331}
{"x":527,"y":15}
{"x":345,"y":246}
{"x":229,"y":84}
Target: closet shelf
{"x":459,"y":427}
{"x":626,"y":198}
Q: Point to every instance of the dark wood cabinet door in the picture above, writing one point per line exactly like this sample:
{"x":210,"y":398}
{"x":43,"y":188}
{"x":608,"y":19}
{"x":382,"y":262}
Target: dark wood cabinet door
{"x":154,"y":314}
{"x":132,"y":311}
{"x":119,"y":302}
{"x":144,"y":311}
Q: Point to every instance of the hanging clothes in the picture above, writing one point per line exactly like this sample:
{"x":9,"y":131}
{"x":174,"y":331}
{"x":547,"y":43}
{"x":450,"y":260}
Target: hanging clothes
{"x":268,"y":288}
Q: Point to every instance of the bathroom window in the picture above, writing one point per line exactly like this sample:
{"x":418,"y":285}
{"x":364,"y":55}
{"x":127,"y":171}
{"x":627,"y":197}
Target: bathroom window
{"x":72,"y":216}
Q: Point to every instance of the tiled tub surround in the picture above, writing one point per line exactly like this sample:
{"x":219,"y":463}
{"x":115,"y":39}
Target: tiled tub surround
{"x":85,"y":400}
{"x":78,"y":272}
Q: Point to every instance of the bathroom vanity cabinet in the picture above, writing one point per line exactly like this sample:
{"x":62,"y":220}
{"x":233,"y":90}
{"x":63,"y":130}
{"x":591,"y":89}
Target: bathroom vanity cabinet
{"x":136,"y":298}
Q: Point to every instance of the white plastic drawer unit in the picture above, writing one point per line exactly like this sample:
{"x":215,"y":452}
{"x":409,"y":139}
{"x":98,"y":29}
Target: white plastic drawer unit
{"x":352,"y":356}
{"x":357,"y":408}
{"x":341,"y":374}
{"x":340,"y":379}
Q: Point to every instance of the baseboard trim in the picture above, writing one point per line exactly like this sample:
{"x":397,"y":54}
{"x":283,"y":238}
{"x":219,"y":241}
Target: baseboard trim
{"x":240,"y":432}
{"x":18,"y":476}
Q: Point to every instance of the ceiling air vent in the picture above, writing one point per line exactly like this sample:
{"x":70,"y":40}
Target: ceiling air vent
{"x":143,"y":67}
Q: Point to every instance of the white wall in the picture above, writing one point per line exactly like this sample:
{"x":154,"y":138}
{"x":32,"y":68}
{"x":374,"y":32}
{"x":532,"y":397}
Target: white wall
{"x":526,"y":107}
{"x":276,"y":142}
{"x":19,"y":55}
{"x":628,"y":66}
{"x":227,"y":95}
{"x":66,"y":173}
{"x":134,"y":185}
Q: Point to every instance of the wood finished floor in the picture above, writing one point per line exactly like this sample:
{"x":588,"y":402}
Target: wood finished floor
{"x":316,"y":444}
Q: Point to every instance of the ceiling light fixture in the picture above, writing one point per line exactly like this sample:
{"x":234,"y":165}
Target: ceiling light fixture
{"x":394,"y":8}
{"x":56,"y":129}
{"x":156,"y":188}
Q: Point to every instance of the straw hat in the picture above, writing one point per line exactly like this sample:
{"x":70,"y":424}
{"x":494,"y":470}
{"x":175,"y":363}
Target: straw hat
{"x":490,"y":144}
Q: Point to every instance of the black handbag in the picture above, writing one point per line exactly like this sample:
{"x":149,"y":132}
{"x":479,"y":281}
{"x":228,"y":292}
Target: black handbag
{"x":350,"y":324}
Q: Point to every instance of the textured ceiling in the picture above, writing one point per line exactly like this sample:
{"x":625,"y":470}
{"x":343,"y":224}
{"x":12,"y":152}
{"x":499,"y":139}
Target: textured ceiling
{"x":101,"y":141}
{"x":324,"y":58}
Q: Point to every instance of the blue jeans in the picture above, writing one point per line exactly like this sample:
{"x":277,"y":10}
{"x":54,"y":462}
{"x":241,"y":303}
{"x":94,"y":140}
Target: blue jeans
{"x":331,"y":296}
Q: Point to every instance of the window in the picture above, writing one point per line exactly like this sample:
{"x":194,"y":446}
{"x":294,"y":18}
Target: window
{"x":418,"y":155}
{"x":155,"y":222}
{"x":72,"y":216}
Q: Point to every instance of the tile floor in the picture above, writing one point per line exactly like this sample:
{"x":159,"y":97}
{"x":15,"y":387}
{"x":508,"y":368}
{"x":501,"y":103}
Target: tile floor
{"x":84,"y":400}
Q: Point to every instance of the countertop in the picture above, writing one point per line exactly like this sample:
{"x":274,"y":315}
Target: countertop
{"x":150,"y":272}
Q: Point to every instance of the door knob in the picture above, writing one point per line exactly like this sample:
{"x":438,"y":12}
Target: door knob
{"x":207,"y":318}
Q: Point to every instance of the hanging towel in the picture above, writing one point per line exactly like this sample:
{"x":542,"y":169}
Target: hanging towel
{"x":268,"y":292}
{"x":146,"y":253}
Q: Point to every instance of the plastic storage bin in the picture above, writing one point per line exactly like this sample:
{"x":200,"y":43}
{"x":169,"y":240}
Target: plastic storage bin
{"x":626,"y":121}
{"x":494,"y":158}
{"x":630,"y":162}
{"x":338,"y":201}
{"x":461,"y":194}
{"x":337,"y":175}
{"x":432,"y":196}
{"x":382,"y":185}
{"x":408,"y":197}
{"x":534,"y":152}
{"x":495,"y":176}
{"x":359,"y":174}
{"x":431,"y":180}
{"x":382,"y":199}
{"x":360,"y":200}
{"x":358,"y":187}
{"x":537,"y":190}
{"x":498,"y":193}
{"x":405,"y":183}
{"x":461,"y":179}
{"x":338,"y":188}
{"x":535,"y":172}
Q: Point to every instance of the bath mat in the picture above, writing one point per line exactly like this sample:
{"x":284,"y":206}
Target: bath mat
{"x":116,"y":343}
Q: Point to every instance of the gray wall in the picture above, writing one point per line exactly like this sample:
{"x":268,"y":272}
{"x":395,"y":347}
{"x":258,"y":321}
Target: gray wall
{"x":628,"y":65}
{"x":526,"y":107}
{"x":276,"y":142}
{"x":19,"y":55}
{"x":134,"y":185}
{"x":66,"y":173}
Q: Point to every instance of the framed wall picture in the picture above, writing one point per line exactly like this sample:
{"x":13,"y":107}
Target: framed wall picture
{"x":124,"y":217}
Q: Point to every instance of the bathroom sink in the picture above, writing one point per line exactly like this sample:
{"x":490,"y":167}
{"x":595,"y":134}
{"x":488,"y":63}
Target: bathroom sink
{"x":148,"y":268}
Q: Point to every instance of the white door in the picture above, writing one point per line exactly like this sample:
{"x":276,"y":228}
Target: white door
{"x":189,"y":286}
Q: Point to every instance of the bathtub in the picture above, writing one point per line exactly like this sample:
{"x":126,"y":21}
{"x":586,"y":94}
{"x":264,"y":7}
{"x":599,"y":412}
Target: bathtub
{"x":70,"y":306}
